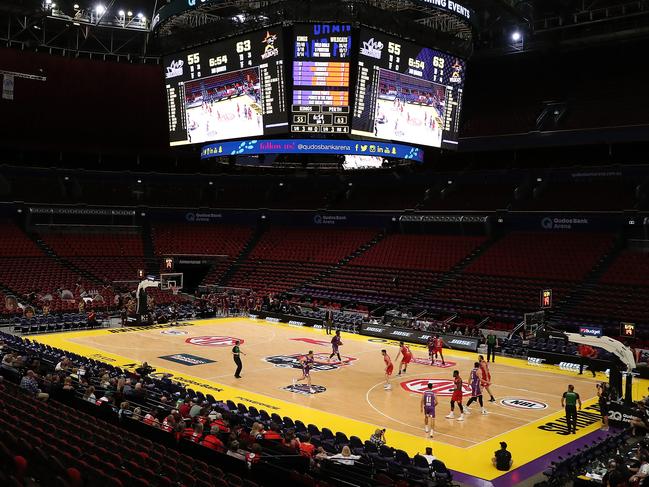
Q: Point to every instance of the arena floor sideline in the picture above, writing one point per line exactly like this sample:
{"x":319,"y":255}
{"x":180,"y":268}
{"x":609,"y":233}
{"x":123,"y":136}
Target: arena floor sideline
{"x":350,"y":396}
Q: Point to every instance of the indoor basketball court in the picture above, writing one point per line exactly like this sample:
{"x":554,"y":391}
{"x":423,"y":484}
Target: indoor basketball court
{"x":349,"y":395}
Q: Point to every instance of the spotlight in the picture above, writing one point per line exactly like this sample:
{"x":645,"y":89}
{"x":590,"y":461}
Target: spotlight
{"x":140,"y":16}
{"x":100,"y":9}
{"x":121,"y":13}
{"x":76,"y":6}
{"x":48,"y":2}
{"x":129,"y":13}
{"x":53,"y":5}
{"x":139,"y":181}
{"x":516,"y":36}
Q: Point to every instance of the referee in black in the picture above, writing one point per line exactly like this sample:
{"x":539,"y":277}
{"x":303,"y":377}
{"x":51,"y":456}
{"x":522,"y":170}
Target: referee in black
{"x":236,"y":355}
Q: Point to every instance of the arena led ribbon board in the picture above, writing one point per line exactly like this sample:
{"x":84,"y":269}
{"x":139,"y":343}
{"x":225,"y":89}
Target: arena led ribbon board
{"x":313,"y":146}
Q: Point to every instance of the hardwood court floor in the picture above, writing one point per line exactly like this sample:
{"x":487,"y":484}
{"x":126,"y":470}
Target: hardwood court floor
{"x":352,"y":399}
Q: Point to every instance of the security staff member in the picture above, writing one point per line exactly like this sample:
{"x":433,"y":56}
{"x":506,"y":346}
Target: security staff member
{"x":586,"y":354}
{"x":329,"y":320}
{"x":492,"y":343}
{"x":569,"y":401}
{"x":236,"y":355}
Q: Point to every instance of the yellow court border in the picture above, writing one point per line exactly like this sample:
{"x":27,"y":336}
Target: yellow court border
{"x":527,"y":442}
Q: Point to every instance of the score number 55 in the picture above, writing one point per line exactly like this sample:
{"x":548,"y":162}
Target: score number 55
{"x":193,"y":58}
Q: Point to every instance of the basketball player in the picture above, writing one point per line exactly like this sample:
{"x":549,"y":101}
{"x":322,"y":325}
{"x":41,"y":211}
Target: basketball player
{"x":428,"y":403}
{"x":431,"y":349}
{"x":439,"y":345}
{"x":307,"y":362}
{"x":335,"y":343}
{"x":476,"y":390}
{"x":406,"y":357}
{"x":486,"y":377}
{"x":389,"y":368}
{"x":456,"y":397}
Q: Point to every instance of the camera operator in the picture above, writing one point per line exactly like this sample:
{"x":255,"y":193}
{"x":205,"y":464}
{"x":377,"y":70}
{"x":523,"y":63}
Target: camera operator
{"x":378,"y":438}
{"x":603,"y":394}
{"x":144,"y":370}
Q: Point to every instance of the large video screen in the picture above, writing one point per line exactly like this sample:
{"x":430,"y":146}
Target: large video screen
{"x":407,"y":93}
{"x":321,"y":61}
{"x":227,"y":90}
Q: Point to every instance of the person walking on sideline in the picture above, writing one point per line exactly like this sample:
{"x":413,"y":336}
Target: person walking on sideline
{"x":236,"y":355}
{"x":569,"y":401}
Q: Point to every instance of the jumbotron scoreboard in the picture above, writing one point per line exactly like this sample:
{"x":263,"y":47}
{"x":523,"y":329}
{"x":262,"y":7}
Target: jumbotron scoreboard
{"x":407,"y":93}
{"x":321,"y":78}
{"x":227,"y":90}
{"x":325,"y":79}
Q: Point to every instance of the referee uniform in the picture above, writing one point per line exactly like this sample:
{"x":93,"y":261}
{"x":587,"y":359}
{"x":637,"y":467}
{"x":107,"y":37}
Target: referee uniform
{"x":236,"y":355}
{"x":570,"y":400}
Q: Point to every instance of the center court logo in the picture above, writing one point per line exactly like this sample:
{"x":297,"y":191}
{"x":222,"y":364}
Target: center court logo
{"x":214,"y":341}
{"x":528,"y":404}
{"x":372,"y":48}
{"x":321,"y":361}
{"x":441,"y":387}
{"x":437,"y":363}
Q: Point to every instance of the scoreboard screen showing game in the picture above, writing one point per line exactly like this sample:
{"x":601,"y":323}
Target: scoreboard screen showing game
{"x":321,"y":59}
{"x":405,"y":92}
{"x":227,"y":90}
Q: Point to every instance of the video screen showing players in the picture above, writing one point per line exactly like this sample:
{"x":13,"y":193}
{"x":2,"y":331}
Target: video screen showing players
{"x":227,"y":90}
{"x":409,"y":109}
{"x":224,"y":107}
{"x":406,"y":92}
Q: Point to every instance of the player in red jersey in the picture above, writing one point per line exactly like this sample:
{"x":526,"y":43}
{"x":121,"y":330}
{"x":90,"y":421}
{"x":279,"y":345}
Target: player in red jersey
{"x":406,"y":357}
{"x":456,"y":397}
{"x":486,"y":377}
{"x":389,"y":368}
{"x":439,"y":345}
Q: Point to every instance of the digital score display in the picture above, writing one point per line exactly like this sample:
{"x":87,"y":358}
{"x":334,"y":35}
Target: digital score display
{"x":405,"y":92}
{"x":227,"y":90}
{"x":321,"y":60}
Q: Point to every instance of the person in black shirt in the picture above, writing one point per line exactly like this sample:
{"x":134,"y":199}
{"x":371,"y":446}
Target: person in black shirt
{"x":502,"y":459}
{"x":604,"y":398}
{"x":236,"y":355}
{"x":329,"y":320}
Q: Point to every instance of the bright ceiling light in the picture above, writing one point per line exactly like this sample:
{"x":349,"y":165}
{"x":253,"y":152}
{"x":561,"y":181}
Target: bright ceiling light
{"x":516,"y":36}
{"x":121,"y":13}
{"x":100,"y":9}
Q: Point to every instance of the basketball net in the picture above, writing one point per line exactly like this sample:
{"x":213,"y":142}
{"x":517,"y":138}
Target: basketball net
{"x":174,"y":290}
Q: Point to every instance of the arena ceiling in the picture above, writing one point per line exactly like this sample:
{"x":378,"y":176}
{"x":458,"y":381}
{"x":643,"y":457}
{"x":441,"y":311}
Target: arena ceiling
{"x":497,"y":26}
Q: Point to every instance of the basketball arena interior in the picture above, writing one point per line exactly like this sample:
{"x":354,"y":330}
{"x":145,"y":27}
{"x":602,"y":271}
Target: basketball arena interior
{"x":324,"y":243}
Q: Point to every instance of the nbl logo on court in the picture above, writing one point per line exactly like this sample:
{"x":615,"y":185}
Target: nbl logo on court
{"x":303,"y":389}
{"x":441,"y":387}
{"x":214,"y":341}
{"x":321,"y":361}
{"x":174,"y":332}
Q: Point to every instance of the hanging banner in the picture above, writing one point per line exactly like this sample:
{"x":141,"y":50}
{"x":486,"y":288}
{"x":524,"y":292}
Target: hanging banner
{"x":8,"y":87}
